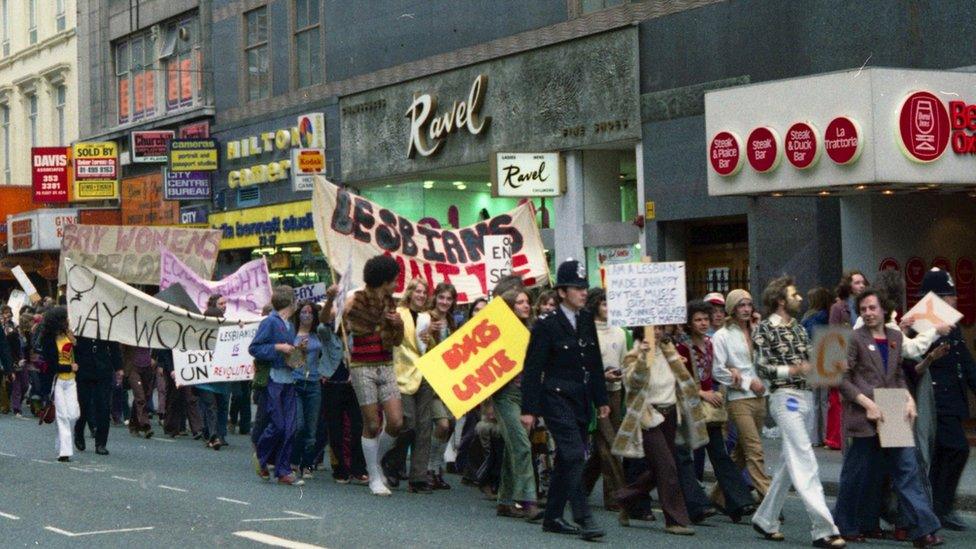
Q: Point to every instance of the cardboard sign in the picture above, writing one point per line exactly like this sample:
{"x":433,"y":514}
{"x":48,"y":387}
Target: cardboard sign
{"x":193,"y":155}
{"x":498,"y":258}
{"x":25,"y":283}
{"x":828,"y":356}
{"x":131,"y":254}
{"x":344,"y":222}
{"x":102,"y":307}
{"x":16,"y":302}
{"x":478,"y":359}
{"x":311,"y":292}
{"x":229,"y":361}
{"x":896,"y":430}
{"x":49,"y":174}
{"x":931,"y":310}
{"x":247,"y":290}
{"x":646,"y":294}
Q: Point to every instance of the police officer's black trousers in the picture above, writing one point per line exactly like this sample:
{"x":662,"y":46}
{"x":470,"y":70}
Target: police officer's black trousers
{"x":948,"y":461}
{"x":94,"y":400}
{"x":566,"y":483}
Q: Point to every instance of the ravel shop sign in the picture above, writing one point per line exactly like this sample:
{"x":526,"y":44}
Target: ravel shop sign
{"x":186,"y":185}
{"x":193,"y":155}
{"x":546,"y":99}
{"x":150,"y":146}
{"x":96,"y":171}
{"x":49,"y":174}
{"x":287,"y":223}
{"x":517,"y":175}
{"x":352,"y":229}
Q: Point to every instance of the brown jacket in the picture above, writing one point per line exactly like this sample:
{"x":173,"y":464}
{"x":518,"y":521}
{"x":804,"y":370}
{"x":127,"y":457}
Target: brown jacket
{"x":865,"y":373}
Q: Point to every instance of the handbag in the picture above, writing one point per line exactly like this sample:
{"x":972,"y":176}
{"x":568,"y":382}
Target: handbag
{"x":48,"y":413}
{"x":712,"y":414}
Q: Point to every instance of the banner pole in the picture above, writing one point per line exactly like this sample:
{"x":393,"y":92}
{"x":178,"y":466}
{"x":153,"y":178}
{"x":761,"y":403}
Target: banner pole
{"x":332,"y":272}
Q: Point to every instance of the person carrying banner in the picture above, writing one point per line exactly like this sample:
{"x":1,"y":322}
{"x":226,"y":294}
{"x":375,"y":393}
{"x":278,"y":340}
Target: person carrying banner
{"x":371,"y":320}
{"x":562,"y":382}
{"x":98,"y":361}
{"x":140,"y":372}
{"x":57,"y":346}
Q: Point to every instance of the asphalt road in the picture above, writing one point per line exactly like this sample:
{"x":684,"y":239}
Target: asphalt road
{"x":166,"y":493}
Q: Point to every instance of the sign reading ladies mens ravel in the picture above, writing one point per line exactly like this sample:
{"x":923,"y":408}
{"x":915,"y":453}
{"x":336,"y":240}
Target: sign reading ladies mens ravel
{"x":351,"y":228}
{"x":132,"y":254}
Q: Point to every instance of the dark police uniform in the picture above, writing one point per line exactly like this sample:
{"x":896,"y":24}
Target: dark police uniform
{"x":562,"y":382}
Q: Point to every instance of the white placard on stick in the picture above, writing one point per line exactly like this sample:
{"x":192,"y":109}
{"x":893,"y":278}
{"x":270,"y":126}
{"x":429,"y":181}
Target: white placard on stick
{"x":646,"y":294}
{"x":310,"y":292}
{"x":229,"y":361}
{"x":498,"y":258}
{"x":25,"y":283}
{"x":930,"y":310}
{"x":895,"y":431}
{"x":16,"y":302}
{"x":828,"y":356}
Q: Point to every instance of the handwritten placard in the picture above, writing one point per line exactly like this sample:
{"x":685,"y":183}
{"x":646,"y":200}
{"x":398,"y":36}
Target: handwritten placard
{"x":828,"y":357}
{"x":646,"y":294}
{"x":931,"y":310}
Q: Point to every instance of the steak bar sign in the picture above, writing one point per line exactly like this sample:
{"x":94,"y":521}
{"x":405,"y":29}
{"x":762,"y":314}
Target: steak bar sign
{"x":518,"y":175}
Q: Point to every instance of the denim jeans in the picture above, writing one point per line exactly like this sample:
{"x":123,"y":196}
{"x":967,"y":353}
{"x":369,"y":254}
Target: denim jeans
{"x":308,"y":395}
{"x":213,"y":409}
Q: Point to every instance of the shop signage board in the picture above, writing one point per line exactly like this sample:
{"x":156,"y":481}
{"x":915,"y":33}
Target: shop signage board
{"x":498,"y":258}
{"x":311,"y":130}
{"x":923,"y":127}
{"x":802,"y":145}
{"x":196,"y":130}
{"x":150,"y":147}
{"x":96,"y":171}
{"x":39,"y":230}
{"x":186,"y":185}
{"x":193,"y":155}
{"x":763,"y":149}
{"x":266,"y":157}
{"x":305,"y":165}
{"x":21,"y":233}
{"x":527,"y":174}
{"x":247,"y":290}
{"x":50,"y":177}
{"x":287,"y":223}
{"x":646,"y":294}
{"x":725,"y":153}
{"x":194,"y":215}
{"x":142,"y":202}
{"x":351,"y":229}
{"x":478,"y":359}
{"x":131,"y":254}
{"x":843,"y":140}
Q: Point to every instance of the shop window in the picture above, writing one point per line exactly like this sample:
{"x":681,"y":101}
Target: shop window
{"x":182,"y":58}
{"x":61,"y":97}
{"x":32,"y":118}
{"x":136,"y":79}
{"x":258,"y":78}
{"x":32,"y":22}
{"x":248,"y":197}
{"x":5,"y":133}
{"x":4,"y":29}
{"x":60,"y":15}
{"x":307,"y":58}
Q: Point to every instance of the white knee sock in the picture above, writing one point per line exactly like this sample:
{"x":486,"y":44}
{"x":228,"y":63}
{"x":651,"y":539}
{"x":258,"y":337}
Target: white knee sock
{"x":376,"y":484}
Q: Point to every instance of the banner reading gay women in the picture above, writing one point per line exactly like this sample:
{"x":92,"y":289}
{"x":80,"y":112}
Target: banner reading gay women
{"x":345,"y":221}
{"x":478,"y":359}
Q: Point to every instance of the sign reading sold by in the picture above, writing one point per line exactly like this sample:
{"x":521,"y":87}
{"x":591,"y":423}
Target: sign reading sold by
{"x":96,"y":171}
{"x":478,"y":359}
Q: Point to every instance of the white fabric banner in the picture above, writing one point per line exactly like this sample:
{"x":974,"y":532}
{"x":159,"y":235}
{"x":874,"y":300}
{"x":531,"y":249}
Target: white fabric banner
{"x":344,"y":221}
{"x":247,"y":290}
{"x":102,"y":307}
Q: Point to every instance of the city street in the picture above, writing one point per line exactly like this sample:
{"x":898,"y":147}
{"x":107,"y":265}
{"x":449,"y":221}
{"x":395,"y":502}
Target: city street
{"x":165,"y":493}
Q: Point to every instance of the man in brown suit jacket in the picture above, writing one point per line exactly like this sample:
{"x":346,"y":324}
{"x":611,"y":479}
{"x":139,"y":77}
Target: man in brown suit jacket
{"x":874,"y":361}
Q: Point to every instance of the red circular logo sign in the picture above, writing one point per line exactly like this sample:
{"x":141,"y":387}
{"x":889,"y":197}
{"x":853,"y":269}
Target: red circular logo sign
{"x":842,"y":140}
{"x":802,"y":149}
{"x":889,"y":263}
{"x":923,"y":125}
{"x":725,"y":153}
{"x":762,"y":149}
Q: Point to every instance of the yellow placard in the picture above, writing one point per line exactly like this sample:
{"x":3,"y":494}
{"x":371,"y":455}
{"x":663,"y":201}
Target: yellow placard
{"x":478,"y":359}
{"x":275,"y":225}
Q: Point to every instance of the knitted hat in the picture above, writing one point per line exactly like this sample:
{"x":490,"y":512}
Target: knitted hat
{"x":732,"y":300}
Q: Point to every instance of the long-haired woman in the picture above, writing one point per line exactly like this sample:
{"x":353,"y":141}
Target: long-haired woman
{"x":58,"y":344}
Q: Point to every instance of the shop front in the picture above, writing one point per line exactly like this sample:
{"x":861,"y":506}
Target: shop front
{"x":558,"y":125}
{"x":34,"y":241}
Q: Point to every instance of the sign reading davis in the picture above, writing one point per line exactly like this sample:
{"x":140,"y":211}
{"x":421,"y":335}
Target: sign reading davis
{"x":527,"y":174}
{"x":560,"y":97}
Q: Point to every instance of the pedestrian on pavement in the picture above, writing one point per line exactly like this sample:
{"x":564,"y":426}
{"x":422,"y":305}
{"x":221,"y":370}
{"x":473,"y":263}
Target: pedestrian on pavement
{"x":416,"y":396}
{"x":816,"y":318}
{"x":340,"y":409}
{"x":613,"y":349}
{"x":843,"y":312}
{"x":874,"y":362}
{"x":782,"y":354}
{"x":649,"y":429}
{"x":563,"y":380}
{"x":734,"y":367}
{"x":141,"y":373}
{"x":98,"y":361}
{"x":435,"y":325}
{"x":376,"y":329}
{"x":951,"y":376}
{"x":275,"y":342}
{"x":699,"y":355}
{"x":57,"y":344}
{"x":308,"y":388}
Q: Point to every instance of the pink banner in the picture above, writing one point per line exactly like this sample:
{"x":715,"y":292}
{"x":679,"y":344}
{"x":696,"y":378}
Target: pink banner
{"x":247,"y":289}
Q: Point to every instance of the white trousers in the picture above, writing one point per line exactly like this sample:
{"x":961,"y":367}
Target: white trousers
{"x":67,"y":413}
{"x":797,"y":466}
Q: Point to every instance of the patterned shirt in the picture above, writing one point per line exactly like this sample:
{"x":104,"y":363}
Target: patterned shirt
{"x":780,"y":345}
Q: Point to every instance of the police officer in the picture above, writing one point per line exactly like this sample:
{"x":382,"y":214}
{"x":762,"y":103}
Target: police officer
{"x":950,"y":376}
{"x":562,"y":382}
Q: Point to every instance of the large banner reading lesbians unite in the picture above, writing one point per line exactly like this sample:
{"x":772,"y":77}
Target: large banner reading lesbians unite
{"x":345,"y":221}
{"x":247,"y":290}
{"x":102,"y":307}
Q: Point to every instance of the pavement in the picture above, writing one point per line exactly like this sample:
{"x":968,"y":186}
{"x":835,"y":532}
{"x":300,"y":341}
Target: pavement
{"x":175,"y":493}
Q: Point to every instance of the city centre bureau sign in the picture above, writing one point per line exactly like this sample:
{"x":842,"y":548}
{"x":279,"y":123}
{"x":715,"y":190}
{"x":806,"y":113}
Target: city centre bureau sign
{"x":566,"y":96}
{"x":275,"y":225}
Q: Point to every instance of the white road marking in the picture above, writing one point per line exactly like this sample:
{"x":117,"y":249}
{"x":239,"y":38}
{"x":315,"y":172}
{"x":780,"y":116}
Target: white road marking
{"x":8,"y":455}
{"x":237,"y":501}
{"x":173,"y":488}
{"x":125,"y":479}
{"x":44,"y":461}
{"x":275,"y":541}
{"x":9,"y":516}
{"x":97,"y":532}
{"x":297,"y":514}
{"x":280,"y":519}
{"x":161,"y":439}
{"x":82,"y":470}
